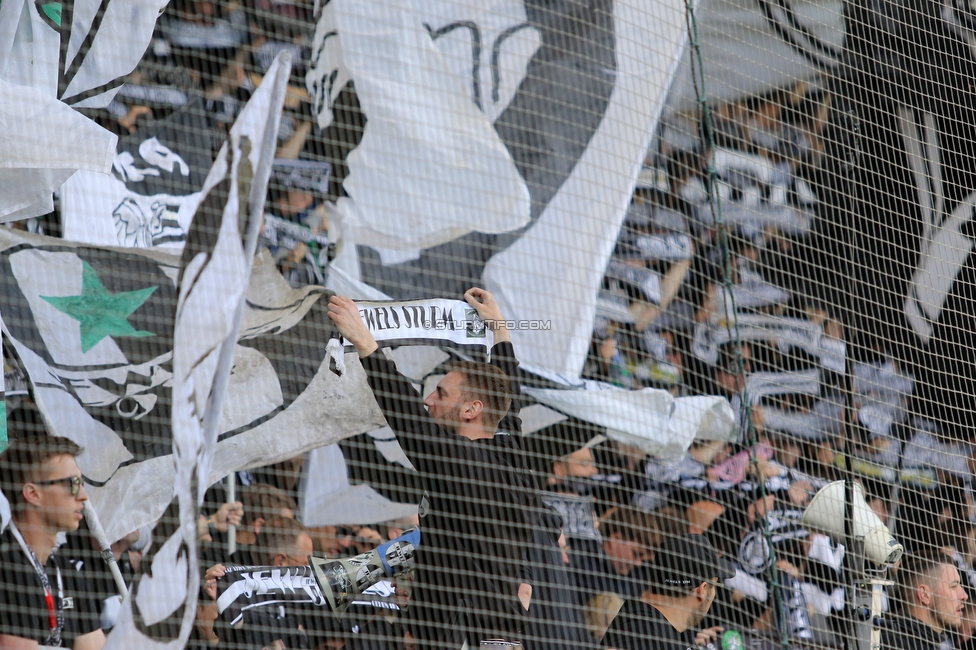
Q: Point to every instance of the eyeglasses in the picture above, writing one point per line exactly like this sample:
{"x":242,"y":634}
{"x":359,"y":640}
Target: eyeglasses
{"x":74,"y":483}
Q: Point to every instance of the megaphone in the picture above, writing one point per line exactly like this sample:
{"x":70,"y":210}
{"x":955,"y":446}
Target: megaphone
{"x":826,"y":513}
{"x":324,"y":582}
{"x":342,"y":580}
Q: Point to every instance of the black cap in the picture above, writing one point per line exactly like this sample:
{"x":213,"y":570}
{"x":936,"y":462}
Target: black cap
{"x":686,"y":561}
{"x":549,"y":444}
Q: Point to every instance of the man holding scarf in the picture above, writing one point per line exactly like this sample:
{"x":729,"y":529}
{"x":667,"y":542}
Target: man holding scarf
{"x":479,"y":509}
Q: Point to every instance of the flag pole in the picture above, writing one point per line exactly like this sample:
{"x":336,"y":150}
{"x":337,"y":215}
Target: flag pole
{"x":95,"y":526}
{"x":231,"y":489}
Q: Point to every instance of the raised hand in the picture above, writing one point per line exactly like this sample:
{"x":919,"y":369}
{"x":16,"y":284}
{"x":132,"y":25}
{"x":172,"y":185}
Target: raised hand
{"x":487,"y":307}
{"x":345,"y":314}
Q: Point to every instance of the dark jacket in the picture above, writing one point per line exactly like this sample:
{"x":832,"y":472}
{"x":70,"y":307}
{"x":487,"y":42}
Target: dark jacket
{"x":909,"y":633}
{"x":480,"y":513}
{"x":557,"y":621}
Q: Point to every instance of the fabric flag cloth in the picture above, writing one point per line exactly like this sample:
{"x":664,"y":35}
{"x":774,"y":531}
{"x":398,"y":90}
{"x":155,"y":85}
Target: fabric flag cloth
{"x":211,"y":286}
{"x":592,"y":204}
{"x":101,"y":40}
{"x":574,"y":91}
{"x":650,"y":419}
{"x":54,"y":57}
{"x":37,"y":154}
{"x":910,"y":282}
{"x":150,"y":192}
{"x":329,"y":499}
{"x":429,"y":167}
{"x":92,"y":328}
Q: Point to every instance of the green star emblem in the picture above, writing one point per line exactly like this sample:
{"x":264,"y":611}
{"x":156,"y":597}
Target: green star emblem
{"x":101,"y":313}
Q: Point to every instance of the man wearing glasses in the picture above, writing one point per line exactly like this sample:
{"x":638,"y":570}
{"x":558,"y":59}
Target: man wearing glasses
{"x":44,"y":600}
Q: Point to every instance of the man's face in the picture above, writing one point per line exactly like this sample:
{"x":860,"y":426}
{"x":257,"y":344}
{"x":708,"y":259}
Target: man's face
{"x":948,"y":598}
{"x":447,"y":402}
{"x":299,"y":555}
{"x":697,"y":615}
{"x":61,"y":510}
{"x":624,"y":555}
{"x":579,"y":464}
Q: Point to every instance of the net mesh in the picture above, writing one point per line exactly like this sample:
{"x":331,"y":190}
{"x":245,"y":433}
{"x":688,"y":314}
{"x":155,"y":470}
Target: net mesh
{"x":719,"y":390}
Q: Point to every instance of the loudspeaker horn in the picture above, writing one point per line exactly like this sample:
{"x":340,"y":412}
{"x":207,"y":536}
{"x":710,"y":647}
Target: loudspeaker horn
{"x":826,"y":513}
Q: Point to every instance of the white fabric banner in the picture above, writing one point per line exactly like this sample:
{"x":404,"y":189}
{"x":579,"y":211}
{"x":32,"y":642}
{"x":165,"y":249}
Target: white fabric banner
{"x":43,"y":142}
{"x":99,"y":209}
{"x":649,"y":419}
{"x":429,"y":167}
{"x":547,"y":275}
{"x":212,"y":285}
{"x":104,"y":41}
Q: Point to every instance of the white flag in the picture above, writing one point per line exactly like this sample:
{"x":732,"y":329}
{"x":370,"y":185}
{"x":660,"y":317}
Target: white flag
{"x":43,"y":142}
{"x":649,"y":419}
{"x":92,"y":328}
{"x":103,"y":40}
{"x":213,"y":280}
{"x":51,"y":60}
{"x":429,"y":167}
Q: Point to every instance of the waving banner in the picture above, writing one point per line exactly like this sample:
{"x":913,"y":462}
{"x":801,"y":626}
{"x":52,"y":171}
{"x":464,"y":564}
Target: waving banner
{"x":150,"y":196}
{"x":553,"y":103}
{"x":56,"y":55}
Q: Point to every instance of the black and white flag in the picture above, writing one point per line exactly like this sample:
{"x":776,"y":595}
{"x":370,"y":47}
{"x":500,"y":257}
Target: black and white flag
{"x":93,"y":330}
{"x":552,"y":106}
{"x":103,"y":377}
{"x":54,"y":56}
{"x":212,"y":282}
{"x":152,"y":192}
{"x":900,"y":184}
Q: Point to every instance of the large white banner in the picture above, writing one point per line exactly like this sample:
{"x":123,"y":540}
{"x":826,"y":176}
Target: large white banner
{"x":429,"y":167}
{"x":548,"y":274}
{"x":573,"y":93}
{"x":160,"y":610}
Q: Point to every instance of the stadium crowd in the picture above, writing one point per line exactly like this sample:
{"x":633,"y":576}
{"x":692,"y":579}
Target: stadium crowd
{"x":561,"y":538}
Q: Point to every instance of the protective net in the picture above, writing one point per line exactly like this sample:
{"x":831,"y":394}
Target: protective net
{"x":550,"y":324}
